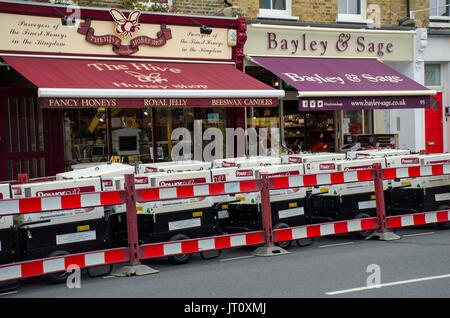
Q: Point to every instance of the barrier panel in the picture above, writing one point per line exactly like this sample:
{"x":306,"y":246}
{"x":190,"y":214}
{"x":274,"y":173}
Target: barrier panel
{"x":267,"y":236}
{"x":57,"y":264}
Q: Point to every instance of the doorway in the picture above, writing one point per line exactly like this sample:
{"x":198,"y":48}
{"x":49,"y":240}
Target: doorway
{"x":434,"y":137}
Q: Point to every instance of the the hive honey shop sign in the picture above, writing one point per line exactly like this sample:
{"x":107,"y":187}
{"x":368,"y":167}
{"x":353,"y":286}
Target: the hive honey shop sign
{"x":122,"y":35}
{"x":123,"y":81}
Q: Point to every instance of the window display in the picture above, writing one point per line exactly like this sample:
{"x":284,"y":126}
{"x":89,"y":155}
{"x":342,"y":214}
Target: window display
{"x":266,"y":118}
{"x":84,"y":136}
{"x":308,"y":131}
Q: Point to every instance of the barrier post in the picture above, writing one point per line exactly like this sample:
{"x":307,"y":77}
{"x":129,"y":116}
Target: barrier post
{"x":132,"y":230}
{"x":269,"y":248}
{"x":382,"y":233}
{"x":135,"y":267}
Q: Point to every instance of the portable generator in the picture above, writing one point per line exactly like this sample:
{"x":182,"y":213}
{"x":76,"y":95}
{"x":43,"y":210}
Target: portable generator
{"x":8,"y":243}
{"x":287,"y":205}
{"x":346,"y":200}
{"x":420,"y":194}
{"x":168,"y":220}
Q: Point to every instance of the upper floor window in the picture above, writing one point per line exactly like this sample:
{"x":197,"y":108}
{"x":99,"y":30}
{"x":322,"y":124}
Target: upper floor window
{"x":432,"y":75}
{"x":439,"y":9}
{"x":276,"y":9}
{"x":352,"y":10}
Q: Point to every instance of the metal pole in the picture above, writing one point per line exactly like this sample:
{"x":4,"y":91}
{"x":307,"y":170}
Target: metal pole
{"x":269,"y":248}
{"x":266,"y":213}
{"x":132,"y":229}
{"x":379,"y":197}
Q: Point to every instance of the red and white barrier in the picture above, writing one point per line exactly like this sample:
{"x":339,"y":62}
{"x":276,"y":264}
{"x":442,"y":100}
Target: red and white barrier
{"x":201,"y":244}
{"x":322,"y":179}
{"x":197,"y":190}
{"x":183,"y":190}
{"x":416,"y":171}
{"x":418,"y":219}
{"x":52,"y":203}
{"x":324,"y":229}
{"x":62,"y":263}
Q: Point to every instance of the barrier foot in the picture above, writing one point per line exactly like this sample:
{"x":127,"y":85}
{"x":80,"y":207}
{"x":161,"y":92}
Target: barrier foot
{"x":136,"y":269}
{"x":384,"y":236}
{"x":269,"y":251}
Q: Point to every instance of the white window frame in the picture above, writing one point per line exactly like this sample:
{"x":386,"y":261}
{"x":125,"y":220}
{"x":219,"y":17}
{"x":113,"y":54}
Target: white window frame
{"x":439,"y":17}
{"x":439,"y":87}
{"x":278,"y":14}
{"x":355,"y":18}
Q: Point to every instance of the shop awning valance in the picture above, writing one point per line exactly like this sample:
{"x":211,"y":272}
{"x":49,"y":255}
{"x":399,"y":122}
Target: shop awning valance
{"x":70,"y":82}
{"x":347,"y":83}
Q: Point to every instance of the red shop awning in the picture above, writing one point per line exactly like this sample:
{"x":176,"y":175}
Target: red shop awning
{"x":347,"y":83}
{"x":64,"y":82}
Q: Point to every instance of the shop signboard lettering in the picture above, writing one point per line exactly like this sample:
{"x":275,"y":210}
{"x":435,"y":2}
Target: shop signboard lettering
{"x":328,"y":42}
{"x":342,"y":43}
{"x":151,"y":102}
{"x":366,"y":102}
{"x":126,"y":27}
{"x":28,"y":33}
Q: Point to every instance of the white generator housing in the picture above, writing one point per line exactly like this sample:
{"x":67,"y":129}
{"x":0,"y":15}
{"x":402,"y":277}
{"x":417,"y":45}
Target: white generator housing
{"x":242,"y":162}
{"x":105,"y":171}
{"x":5,"y":194}
{"x":173,"y":166}
{"x":43,"y":189}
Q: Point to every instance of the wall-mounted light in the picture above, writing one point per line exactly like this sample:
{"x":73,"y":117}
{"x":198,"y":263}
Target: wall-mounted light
{"x":68,"y":20}
{"x":205,"y":30}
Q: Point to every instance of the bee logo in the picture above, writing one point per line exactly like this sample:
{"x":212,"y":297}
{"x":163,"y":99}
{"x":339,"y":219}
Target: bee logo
{"x":126,"y":26}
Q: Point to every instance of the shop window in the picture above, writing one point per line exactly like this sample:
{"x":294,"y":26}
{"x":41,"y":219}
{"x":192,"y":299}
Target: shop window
{"x":84,"y":136}
{"x":275,"y":9}
{"x":355,"y":124}
{"x":8,"y":124}
{"x":308,"y":131}
{"x":32,"y":124}
{"x":191,"y":133}
{"x":168,"y":119}
{"x":352,"y":11}
{"x":266,"y":123}
{"x":432,"y":75}
{"x":439,"y":9}
{"x":131,"y":134}
{"x":352,"y":122}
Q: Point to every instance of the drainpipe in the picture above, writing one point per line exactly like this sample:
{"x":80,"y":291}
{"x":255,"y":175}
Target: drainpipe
{"x":407,"y":14}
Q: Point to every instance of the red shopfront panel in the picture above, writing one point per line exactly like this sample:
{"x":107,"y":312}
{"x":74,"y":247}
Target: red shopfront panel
{"x":434,"y":138}
{"x":30,"y":137}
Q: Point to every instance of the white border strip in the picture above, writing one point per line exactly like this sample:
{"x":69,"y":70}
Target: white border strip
{"x":136,"y":59}
{"x":154,"y":93}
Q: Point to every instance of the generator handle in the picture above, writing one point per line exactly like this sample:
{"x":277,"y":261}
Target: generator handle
{"x":216,"y":205}
{"x":33,"y":223}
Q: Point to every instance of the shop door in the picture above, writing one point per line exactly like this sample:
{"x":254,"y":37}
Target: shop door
{"x":30,"y":137}
{"x":433,"y":125}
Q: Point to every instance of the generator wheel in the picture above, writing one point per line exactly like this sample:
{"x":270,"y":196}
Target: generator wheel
{"x":180,"y":258}
{"x":366,"y":233}
{"x":443,"y":225}
{"x":59,"y":277}
{"x":284,"y":244}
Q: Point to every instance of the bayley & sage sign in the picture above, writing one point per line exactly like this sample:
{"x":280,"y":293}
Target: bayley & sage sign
{"x":264,"y":40}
